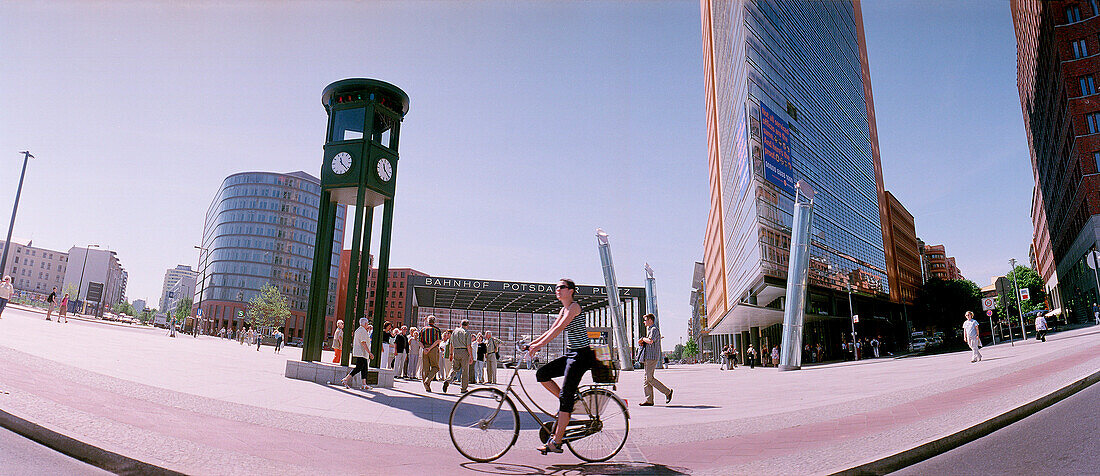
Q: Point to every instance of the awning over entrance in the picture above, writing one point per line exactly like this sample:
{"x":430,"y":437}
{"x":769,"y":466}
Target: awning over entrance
{"x":505,"y":296}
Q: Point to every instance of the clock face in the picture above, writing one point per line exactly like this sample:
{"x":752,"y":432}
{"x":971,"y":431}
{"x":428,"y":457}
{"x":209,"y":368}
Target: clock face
{"x":341,"y":163}
{"x":385,"y":170}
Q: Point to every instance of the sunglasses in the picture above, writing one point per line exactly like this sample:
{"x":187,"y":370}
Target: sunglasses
{"x":563,"y":286}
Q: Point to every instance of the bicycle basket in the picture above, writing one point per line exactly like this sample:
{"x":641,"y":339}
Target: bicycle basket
{"x":606,"y":371}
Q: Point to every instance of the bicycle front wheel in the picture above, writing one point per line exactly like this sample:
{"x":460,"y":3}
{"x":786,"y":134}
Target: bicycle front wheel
{"x":605,"y":431}
{"x":484,"y":424}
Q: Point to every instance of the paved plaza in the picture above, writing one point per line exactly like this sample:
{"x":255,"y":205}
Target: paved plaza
{"x":211,"y":406}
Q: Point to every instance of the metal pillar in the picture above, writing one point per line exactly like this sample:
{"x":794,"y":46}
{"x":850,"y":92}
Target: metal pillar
{"x":743,"y":349}
{"x":353,"y":274}
{"x":11,"y":225}
{"x":618,"y":322}
{"x":364,"y":278}
{"x":380,"y":282}
{"x":790,"y":355}
{"x":314,"y":335}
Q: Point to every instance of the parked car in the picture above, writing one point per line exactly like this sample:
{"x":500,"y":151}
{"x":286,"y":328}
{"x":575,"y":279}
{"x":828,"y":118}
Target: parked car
{"x":918,"y":344}
{"x":296,"y":342}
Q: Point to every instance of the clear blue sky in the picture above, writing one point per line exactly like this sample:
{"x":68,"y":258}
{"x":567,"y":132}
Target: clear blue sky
{"x":531,"y":124}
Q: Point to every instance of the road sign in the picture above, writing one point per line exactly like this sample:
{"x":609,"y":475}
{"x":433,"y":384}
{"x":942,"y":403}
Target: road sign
{"x":240,"y":313}
{"x":989,"y":303}
{"x":1090,"y":259}
{"x":198,"y":312}
{"x":989,"y":313}
{"x":855,"y":318}
{"x":1024,"y":295}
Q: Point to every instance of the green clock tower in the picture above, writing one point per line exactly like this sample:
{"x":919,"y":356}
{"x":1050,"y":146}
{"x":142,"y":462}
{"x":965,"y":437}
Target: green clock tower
{"x":359,"y":169}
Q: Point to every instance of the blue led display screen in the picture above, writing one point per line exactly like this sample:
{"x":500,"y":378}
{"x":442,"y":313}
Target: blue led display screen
{"x":775,"y":138}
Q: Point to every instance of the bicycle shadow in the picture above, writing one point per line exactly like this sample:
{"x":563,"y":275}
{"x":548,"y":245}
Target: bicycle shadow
{"x":614,"y":467}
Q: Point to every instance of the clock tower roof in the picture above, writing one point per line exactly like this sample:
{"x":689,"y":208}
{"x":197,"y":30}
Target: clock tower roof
{"x":388,"y":94}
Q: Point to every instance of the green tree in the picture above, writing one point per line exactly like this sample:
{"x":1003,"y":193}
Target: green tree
{"x":123,"y":308}
{"x":677,"y":352}
{"x":183,"y":308}
{"x":147,"y":314}
{"x":1009,"y":306}
{"x":268,"y":309}
{"x":691,"y":349}
{"x":942,"y":303}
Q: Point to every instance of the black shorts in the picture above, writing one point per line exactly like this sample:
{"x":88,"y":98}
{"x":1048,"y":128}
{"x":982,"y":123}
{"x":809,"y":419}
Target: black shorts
{"x":572,"y":365}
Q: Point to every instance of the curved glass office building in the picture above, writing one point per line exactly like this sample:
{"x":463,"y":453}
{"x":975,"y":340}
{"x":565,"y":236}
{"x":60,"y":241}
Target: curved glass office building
{"x":260,"y":228}
{"x":789,"y":98}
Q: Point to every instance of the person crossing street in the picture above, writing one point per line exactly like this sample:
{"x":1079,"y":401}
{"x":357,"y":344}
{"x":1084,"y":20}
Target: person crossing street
{"x":652,"y":343}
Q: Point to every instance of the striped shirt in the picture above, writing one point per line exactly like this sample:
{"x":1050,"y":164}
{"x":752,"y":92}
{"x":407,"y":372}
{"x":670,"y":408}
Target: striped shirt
{"x":429,"y":335}
{"x":576,"y":333}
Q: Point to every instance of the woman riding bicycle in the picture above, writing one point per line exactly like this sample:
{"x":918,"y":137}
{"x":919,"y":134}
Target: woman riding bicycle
{"x":578,"y":359}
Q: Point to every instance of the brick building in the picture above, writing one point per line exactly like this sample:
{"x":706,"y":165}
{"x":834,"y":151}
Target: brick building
{"x":397,"y":285}
{"x":1058,"y":61}
{"x":937,"y":264}
{"x":903,"y":267}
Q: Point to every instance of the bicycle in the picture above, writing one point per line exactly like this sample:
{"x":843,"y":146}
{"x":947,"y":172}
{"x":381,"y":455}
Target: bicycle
{"x":484,"y":423}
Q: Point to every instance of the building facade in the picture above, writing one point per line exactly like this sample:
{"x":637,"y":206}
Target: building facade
{"x":260,"y":229}
{"x":139,"y":306}
{"x":788,"y":97}
{"x":1058,"y":68}
{"x":94,"y":280}
{"x":172,"y":276}
{"x":937,"y":264}
{"x":34,"y":271}
{"x":904,"y":268}
{"x":183,"y":288}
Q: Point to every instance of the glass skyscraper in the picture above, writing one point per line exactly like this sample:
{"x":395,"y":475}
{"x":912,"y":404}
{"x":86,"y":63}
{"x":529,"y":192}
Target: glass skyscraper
{"x":260,"y":229}
{"x":800,"y":67}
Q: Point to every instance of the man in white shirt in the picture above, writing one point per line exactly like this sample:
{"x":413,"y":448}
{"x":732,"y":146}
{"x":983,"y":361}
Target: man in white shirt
{"x":1040,"y":328}
{"x":970,"y":335}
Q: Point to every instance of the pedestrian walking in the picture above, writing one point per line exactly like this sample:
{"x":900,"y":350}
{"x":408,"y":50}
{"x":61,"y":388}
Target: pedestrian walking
{"x":652,"y":342}
{"x":1096,"y":312}
{"x":970,"y":335}
{"x":460,"y":355}
{"x":415,"y":348}
{"x":259,"y":338}
{"x":492,"y":356}
{"x":401,"y":349}
{"x":775,"y":355}
{"x":5,"y":293}
{"x":445,"y":362}
{"x":278,"y":341}
{"x":360,"y":350}
{"x":338,"y":341}
{"x":50,"y":301}
{"x":875,"y":343}
{"x":578,"y":359}
{"x":751,"y":356}
{"x":430,"y":338}
{"x":1040,"y":327}
{"x":63,"y":308}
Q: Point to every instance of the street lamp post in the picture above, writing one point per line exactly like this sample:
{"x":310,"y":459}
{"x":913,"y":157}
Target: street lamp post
{"x":851,"y":314}
{"x":1019,"y":304}
{"x":18,"y":191}
{"x":80,"y":283}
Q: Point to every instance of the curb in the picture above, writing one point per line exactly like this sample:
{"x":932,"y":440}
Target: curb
{"x":73,"y":448}
{"x":942,"y":445}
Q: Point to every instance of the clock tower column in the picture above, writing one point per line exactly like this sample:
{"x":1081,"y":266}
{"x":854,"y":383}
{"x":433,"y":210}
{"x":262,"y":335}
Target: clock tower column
{"x":359,"y":168}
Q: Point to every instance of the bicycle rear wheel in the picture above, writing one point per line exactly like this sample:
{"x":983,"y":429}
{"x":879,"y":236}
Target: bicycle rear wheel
{"x":484,"y":424}
{"x":605,"y":431}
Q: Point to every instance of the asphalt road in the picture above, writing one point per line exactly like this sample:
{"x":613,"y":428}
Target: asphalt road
{"x":1058,"y":440}
{"x":19,"y":455}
